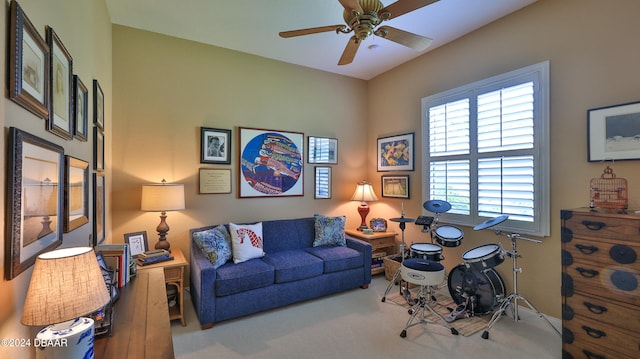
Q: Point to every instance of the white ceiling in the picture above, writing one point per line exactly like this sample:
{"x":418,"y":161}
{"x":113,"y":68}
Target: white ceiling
{"x":252,"y":26}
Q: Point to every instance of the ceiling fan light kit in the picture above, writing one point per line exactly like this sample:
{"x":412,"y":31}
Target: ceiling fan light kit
{"x":363,"y":18}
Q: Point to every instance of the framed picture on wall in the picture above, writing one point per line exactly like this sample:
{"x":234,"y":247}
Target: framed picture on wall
{"x":322,"y":182}
{"x":614,"y":132}
{"x":98,"y":149}
{"x":60,"y":120}
{"x":81,"y":112}
{"x":395,"y":153}
{"x":76,"y":193}
{"x":28,"y":64}
{"x":271,"y":163}
{"x":35,"y":170}
{"x":322,"y":150}
{"x":395,"y":186}
{"x":98,"y":209}
{"x":215,"y":145}
{"x":98,"y":105}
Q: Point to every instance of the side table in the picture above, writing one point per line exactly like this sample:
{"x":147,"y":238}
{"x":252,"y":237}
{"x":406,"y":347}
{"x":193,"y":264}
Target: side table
{"x":378,"y":240}
{"x":174,"y":276}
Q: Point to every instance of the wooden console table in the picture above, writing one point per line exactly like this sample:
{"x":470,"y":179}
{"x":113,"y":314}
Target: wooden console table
{"x":378,"y":240}
{"x":141,"y":325}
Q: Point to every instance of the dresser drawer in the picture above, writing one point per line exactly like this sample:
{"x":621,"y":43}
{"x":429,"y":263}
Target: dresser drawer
{"x":614,"y":282}
{"x":382,"y":242}
{"x":602,"y":310}
{"x":612,"y":226}
{"x":607,"y":253}
{"x":581,"y":350}
{"x":173,"y":274}
{"x":594,"y":334}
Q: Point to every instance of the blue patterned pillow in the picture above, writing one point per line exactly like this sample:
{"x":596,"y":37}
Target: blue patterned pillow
{"x":215,"y":244}
{"x":329,"y":231}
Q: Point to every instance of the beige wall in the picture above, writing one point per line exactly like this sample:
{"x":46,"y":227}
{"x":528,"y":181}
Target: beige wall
{"x":591,"y":65}
{"x":85,"y":29}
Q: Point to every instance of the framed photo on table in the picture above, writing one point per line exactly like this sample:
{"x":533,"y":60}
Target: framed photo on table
{"x":137,"y":242}
{"x":28,"y":64}
{"x":614,"y":132}
{"x":395,"y":153}
{"x":60,"y":120}
{"x":34,"y":201}
{"x":215,"y":145}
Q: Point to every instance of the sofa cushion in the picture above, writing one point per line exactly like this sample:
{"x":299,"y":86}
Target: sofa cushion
{"x":337,"y":258}
{"x":234,"y":278}
{"x":287,"y":234}
{"x":246,"y":241}
{"x":329,"y":231}
{"x":215,"y":244}
{"x":294,"y":265}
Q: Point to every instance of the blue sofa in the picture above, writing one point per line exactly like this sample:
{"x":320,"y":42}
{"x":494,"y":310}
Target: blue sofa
{"x":291,"y":271}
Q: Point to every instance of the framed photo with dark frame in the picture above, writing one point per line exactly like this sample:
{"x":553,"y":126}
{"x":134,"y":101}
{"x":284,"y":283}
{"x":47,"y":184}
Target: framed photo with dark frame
{"x":98,"y":209}
{"x":395,"y":186}
{"x":98,"y":149}
{"x":98,"y":105}
{"x":28,"y":64}
{"x":322,"y":181}
{"x":60,"y":120}
{"x":215,"y":145}
{"x":271,"y":163}
{"x":614,"y":132}
{"x":395,"y":153}
{"x":215,"y":180}
{"x":76,"y":193}
{"x":137,"y":243}
{"x":81,"y":113}
{"x":322,"y":150}
{"x":34,"y":213}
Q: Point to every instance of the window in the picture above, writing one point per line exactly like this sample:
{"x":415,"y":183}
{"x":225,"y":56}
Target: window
{"x":486,"y":150}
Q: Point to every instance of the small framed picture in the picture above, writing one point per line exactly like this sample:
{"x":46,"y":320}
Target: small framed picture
{"x":215,"y":181}
{"x":76,"y":193}
{"x":60,"y":120}
{"x":322,"y":150}
{"x":395,"y":153}
{"x":215,"y":146}
{"x":98,"y":105}
{"x":323,"y":182}
{"x":98,"y":149}
{"x":614,"y":132}
{"x":395,"y":186}
{"x":81,"y":113}
{"x":378,"y":224}
{"x":137,"y":242}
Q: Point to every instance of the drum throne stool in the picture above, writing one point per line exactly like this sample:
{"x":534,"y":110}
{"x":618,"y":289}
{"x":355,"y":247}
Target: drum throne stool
{"x":426,"y":274}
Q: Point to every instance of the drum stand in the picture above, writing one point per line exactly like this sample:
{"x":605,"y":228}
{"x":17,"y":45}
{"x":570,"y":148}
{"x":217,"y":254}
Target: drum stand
{"x":506,"y":302}
{"x":404,"y":289}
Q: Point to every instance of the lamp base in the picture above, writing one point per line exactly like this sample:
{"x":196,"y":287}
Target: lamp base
{"x":363,"y":210}
{"x":163,"y":244}
{"x":70,"y":339}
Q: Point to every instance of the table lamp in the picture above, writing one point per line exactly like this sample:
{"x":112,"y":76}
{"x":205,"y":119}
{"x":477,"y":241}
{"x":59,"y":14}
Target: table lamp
{"x":364,"y":193}
{"x":66,"y":284}
{"x":162,"y":197}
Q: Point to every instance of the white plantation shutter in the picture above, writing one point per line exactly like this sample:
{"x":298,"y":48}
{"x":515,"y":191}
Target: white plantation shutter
{"x":486,"y":153}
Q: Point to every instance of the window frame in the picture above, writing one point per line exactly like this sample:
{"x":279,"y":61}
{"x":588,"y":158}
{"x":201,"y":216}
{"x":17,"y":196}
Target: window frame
{"x":539,"y":74}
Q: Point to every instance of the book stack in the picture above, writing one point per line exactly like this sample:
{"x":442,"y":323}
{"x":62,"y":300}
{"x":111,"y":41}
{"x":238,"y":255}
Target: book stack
{"x":152,"y":257}
{"x":117,"y":257}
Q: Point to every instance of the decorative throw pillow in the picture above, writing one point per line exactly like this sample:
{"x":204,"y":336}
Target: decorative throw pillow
{"x":215,"y":244}
{"x":246,"y":241}
{"x":329,"y":231}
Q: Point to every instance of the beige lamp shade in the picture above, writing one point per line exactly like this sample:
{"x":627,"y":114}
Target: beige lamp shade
{"x":364,"y":193}
{"x":162,"y":197}
{"x":65,"y":284}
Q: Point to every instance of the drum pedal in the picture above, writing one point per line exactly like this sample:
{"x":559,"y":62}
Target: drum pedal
{"x":458,"y":313}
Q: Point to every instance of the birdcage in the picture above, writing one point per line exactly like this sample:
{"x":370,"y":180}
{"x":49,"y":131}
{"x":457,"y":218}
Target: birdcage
{"x":608,"y":191}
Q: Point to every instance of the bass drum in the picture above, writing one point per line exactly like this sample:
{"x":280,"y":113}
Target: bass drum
{"x":486,"y":288}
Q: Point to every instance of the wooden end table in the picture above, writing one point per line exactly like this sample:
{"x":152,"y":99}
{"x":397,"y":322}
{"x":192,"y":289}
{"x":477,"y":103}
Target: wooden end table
{"x":378,"y":240}
{"x":174,"y":276}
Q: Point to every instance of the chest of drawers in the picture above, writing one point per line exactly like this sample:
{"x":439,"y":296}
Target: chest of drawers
{"x":600,"y":284}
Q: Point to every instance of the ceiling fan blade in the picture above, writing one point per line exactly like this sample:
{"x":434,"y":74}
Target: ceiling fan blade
{"x":405,"y":38}
{"x":402,"y":7}
{"x":311,"y":30}
{"x":351,"y":5}
{"x":350,"y":51}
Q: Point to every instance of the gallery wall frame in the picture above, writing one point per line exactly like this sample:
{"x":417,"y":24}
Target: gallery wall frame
{"x":138,"y":243}
{"x":271,"y":163}
{"x":322,"y":182}
{"x":98,"y":105}
{"x":215,"y":181}
{"x":215,"y":145}
{"x":76,"y":193}
{"x":396,"y":153}
{"x":81,"y":112}
{"x":322,"y":150}
{"x":28,"y":64}
{"x":60,"y":119}
{"x":99,"y":232}
{"x":613,"y":132}
{"x":98,"y":149}
{"x":396,"y":186}
{"x":34,"y":210}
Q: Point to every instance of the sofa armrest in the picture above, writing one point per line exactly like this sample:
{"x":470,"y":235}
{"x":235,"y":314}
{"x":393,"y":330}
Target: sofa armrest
{"x":366,"y":249}
{"x":203,"y":277}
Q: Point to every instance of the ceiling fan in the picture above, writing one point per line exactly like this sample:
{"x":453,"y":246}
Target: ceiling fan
{"x":363,"y":17}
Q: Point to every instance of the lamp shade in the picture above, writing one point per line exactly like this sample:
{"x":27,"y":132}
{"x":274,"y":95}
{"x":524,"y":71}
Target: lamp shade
{"x":162,"y":197}
{"x":364,"y":193}
{"x":65,"y":284}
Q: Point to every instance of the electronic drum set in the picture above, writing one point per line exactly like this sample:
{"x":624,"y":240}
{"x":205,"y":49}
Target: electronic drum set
{"x":474,"y":285}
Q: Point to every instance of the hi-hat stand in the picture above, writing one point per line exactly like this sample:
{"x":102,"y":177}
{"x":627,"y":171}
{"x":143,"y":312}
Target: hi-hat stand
{"x":514,"y":297}
{"x":404,"y":289}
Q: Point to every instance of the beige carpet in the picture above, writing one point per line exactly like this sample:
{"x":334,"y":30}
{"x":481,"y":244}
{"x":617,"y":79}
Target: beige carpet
{"x":465,"y":326}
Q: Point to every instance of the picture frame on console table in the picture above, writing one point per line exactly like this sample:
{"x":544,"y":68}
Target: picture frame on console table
{"x":614,"y":132}
{"x":396,"y":153}
{"x":35,"y":188}
{"x":271,"y":163}
{"x":138,"y":243}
